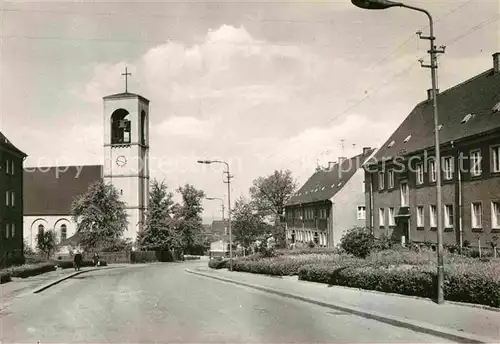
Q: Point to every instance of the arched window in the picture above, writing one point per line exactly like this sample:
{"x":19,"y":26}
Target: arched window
{"x":64,"y":232}
{"x":120,"y":127}
{"x":143,"y":127}
{"x":41,"y":229}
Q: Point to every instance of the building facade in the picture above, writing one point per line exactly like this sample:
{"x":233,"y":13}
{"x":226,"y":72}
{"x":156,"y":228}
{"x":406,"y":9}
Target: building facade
{"x":331,"y":202}
{"x":402,"y":174}
{"x":11,"y":201}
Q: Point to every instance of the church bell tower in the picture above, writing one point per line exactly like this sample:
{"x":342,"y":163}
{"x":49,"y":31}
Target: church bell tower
{"x":126,"y":153}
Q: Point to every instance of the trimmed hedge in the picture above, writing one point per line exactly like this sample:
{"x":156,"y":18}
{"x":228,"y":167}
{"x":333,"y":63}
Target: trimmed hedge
{"x":68,"y":264}
{"x":29,"y":270}
{"x":477,"y":283}
{"x":219,"y":263}
{"x":290,"y":265}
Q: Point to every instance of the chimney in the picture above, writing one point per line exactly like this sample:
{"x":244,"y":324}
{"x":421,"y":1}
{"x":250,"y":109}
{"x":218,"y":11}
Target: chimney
{"x":341,"y":158}
{"x":366,"y":150}
{"x":429,"y":94}
{"x":330,"y":165}
{"x":496,"y":62}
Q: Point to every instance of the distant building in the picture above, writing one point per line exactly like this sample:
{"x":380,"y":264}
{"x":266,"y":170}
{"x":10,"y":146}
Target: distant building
{"x":402,"y":174}
{"x":11,"y":201}
{"x":220,"y":233}
{"x":329,"y":203}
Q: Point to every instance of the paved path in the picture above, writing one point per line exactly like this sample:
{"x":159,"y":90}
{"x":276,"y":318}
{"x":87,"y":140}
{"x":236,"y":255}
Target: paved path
{"x":476,"y":321}
{"x":162,"y":303}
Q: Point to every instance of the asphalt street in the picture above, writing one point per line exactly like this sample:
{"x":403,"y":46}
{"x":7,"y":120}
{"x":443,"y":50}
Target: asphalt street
{"x":161,"y":303}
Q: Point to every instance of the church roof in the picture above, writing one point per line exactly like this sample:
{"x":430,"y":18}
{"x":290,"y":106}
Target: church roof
{"x":7,"y":144}
{"x":126,"y":95}
{"x":51,"y":190}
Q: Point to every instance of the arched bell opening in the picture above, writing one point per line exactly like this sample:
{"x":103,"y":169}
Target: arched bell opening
{"x":120,"y":127}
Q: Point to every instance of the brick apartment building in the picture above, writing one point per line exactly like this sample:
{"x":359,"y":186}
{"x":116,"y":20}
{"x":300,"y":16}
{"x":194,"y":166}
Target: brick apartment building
{"x":11,"y":201}
{"x":329,"y":203}
{"x":401,"y":176}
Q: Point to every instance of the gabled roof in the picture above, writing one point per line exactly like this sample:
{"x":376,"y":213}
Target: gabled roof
{"x":219,"y":226}
{"x":324,"y":184}
{"x":51,"y":190}
{"x":126,"y":95}
{"x":4,"y":142}
{"x":477,"y":96}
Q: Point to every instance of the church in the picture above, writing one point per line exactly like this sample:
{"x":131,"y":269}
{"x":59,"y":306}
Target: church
{"x":50,"y":190}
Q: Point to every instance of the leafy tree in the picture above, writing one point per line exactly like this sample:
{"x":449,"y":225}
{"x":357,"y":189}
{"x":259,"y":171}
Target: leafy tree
{"x":188,"y":218}
{"x":160,"y":230}
{"x":27,"y":249}
{"x":270,"y":195}
{"x":46,"y":242}
{"x":248,"y":225}
{"x":121,"y":244}
{"x":100,"y":216}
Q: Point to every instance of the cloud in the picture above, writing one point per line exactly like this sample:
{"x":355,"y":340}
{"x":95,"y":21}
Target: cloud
{"x":185,"y":127}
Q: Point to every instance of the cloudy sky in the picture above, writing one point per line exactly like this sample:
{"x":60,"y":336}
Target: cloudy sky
{"x":262,"y":85}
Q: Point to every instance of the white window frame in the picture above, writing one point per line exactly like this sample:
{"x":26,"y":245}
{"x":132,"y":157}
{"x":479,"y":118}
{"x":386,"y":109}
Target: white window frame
{"x":381,"y":217}
{"x":433,"y":215}
{"x":495,"y":214}
{"x":390,"y":181}
{"x":12,"y":169}
{"x":12,"y":199}
{"x":495,"y":159}
{"x":448,"y":216}
{"x":13,"y":230}
{"x":361,"y":212}
{"x":381,"y":181}
{"x":420,"y":173}
{"x":420,"y":216}
{"x":392,"y":220}
{"x":7,"y":230}
{"x":7,"y":198}
{"x":448,"y":173}
{"x":432,"y":171}
{"x":405,"y":197}
{"x":475,"y":161}
{"x":476,"y":217}
{"x":7,"y":167}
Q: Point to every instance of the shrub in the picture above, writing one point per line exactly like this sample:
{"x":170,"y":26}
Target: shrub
{"x":218,"y":263}
{"x":30,"y":270}
{"x":289,"y":265}
{"x":473,"y":282}
{"x":358,"y":241}
{"x":4,"y":277}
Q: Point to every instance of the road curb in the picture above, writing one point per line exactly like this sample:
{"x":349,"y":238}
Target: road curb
{"x":414,"y":325}
{"x":62,"y":279}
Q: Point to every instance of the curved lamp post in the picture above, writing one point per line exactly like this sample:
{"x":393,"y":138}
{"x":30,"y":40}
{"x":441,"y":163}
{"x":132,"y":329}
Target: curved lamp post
{"x":384,"y":4}
{"x":228,"y":182}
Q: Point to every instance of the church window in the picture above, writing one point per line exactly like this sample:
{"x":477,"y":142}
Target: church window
{"x":143,"y":127}
{"x":120,"y":127}
{"x":41,"y":230}
{"x":64,"y":232}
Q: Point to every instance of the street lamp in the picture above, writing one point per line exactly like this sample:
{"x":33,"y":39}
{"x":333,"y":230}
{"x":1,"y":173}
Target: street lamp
{"x":383,"y":4}
{"x":222,"y":203}
{"x":228,"y":182}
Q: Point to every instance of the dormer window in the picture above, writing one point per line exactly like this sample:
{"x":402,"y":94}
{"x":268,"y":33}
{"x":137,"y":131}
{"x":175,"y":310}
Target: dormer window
{"x":468,"y":118}
{"x":407,"y":138}
{"x":391,"y":144}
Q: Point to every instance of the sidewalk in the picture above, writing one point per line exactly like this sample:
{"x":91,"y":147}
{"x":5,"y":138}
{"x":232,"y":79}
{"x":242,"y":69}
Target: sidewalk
{"x":19,"y":286}
{"x":464,"y":319}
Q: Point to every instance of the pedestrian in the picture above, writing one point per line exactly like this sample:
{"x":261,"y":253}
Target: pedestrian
{"x":96,"y":259}
{"x":77,"y":261}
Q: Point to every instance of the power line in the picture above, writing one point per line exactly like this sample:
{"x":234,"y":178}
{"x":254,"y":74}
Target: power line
{"x":473,"y":29}
{"x":184,"y":17}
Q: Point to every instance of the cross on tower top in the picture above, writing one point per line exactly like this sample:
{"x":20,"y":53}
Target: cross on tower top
{"x":126,"y":74}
